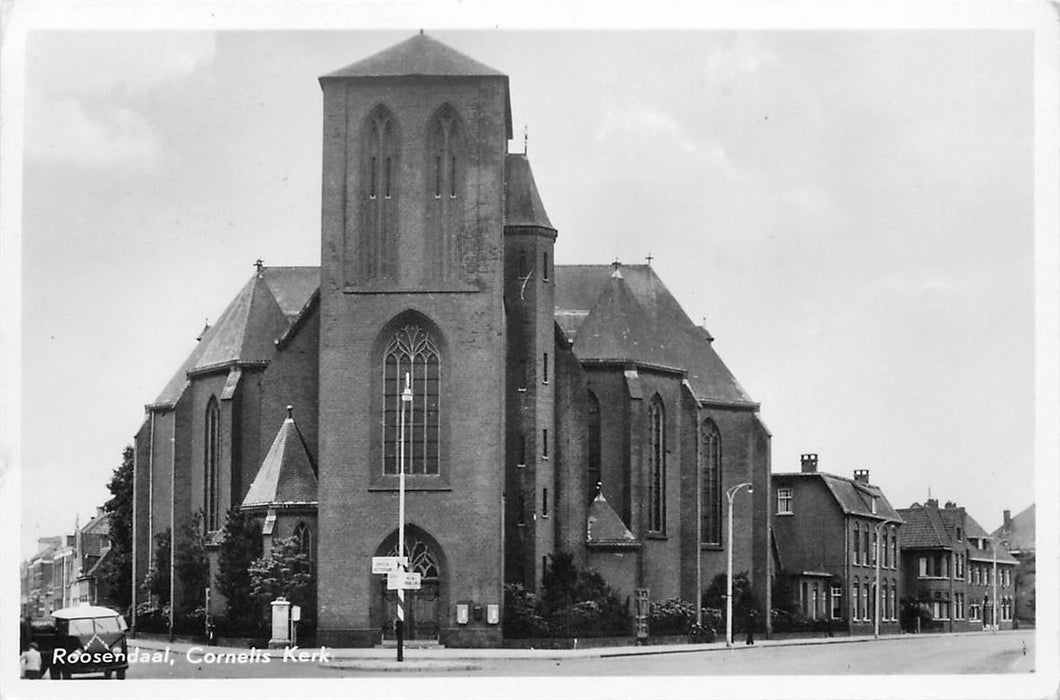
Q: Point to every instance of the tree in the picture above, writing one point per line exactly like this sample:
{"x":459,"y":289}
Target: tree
{"x":240,"y":546}
{"x":743,"y":600}
{"x":157,"y":580}
{"x":116,"y":570}
{"x":191,"y":564}
{"x":285,"y":571}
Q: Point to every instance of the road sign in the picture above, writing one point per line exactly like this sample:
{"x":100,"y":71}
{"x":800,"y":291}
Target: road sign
{"x":384,"y":565}
{"x":403,"y":580}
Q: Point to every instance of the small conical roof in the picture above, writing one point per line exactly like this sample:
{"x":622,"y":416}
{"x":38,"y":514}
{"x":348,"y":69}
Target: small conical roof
{"x":604,"y":526}
{"x":522,"y":203}
{"x":418,"y":55}
{"x":287,"y":475}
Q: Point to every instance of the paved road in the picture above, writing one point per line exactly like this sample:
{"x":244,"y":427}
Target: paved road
{"x":929,"y":654}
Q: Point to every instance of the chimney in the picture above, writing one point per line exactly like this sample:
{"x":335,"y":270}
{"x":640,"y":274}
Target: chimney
{"x":950,"y":504}
{"x":809,"y":463}
{"x":1008,"y":520}
{"x":932,"y":502}
{"x":861,"y":476}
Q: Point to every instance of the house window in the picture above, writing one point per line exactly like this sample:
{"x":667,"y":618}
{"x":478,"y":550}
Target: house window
{"x":866,"y":611}
{"x":711,"y":509}
{"x":894,"y":548}
{"x":865,"y":544}
{"x":413,"y":354}
{"x":816,"y":602}
{"x":544,"y":443}
{"x":855,"y":599}
{"x":875,"y":545}
{"x":837,"y":602}
{"x":894,"y":599}
{"x":593,"y":466}
{"x":656,"y":466}
{"x":784,"y":501}
{"x":884,"y":550}
{"x":885,"y":601}
{"x":857,"y":543}
{"x":212,"y":463}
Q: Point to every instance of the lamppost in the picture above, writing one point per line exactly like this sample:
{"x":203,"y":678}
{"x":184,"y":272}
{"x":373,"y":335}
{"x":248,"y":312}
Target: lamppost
{"x":993,"y":606}
{"x":730,"y":494}
{"x":406,"y":398}
{"x":876,"y":625}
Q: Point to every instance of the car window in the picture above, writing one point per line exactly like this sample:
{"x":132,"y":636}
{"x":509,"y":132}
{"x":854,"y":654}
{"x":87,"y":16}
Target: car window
{"x":81,"y":628}
{"x":107,"y":625}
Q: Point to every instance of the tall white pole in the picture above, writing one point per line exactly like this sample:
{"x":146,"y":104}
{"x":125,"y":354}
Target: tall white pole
{"x":406,"y":398}
{"x":994,"y":606}
{"x":730,"y":494}
{"x":728,"y":580}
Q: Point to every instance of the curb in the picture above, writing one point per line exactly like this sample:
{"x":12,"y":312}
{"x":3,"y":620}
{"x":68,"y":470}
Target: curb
{"x":423,"y":666}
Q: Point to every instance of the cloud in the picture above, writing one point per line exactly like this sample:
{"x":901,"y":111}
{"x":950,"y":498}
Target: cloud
{"x":638,"y":120}
{"x":727,"y":64}
{"x":64,"y":131}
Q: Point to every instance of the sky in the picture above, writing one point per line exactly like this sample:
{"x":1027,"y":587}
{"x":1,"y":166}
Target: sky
{"x":850,"y":213}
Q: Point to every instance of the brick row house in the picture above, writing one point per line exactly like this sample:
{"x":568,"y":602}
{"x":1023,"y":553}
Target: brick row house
{"x":951,"y":566}
{"x":833,"y":538}
{"x":1017,"y":534}
{"x":546,"y":398}
{"x":64,"y":571}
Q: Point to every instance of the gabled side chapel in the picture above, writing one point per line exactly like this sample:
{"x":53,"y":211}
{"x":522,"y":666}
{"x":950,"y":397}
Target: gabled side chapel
{"x":572,"y":408}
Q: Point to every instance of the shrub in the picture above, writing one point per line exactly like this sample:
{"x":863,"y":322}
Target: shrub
{"x":673,"y":616}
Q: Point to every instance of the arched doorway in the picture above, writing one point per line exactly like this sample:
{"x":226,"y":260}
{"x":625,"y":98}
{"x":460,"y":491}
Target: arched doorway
{"x":423,"y":608}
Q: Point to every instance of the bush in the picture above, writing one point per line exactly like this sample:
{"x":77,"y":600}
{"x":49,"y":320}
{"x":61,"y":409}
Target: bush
{"x":673,"y":616}
{"x":574,"y":603}
{"x":152,"y":618}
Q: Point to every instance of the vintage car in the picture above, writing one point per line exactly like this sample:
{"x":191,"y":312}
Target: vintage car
{"x":82,"y":639}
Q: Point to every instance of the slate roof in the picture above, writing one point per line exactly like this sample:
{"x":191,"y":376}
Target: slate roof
{"x":642,"y":322}
{"x":417,"y":55}
{"x":852,"y":497}
{"x":522,"y":203}
{"x":287,"y":475}
{"x":247,"y":329}
{"x":605,"y":528}
{"x":1021,"y":531}
{"x":925,"y":529}
{"x":987,"y":554}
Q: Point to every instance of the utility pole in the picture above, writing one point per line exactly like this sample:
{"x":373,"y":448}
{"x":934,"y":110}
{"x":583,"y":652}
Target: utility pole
{"x":406,"y":398}
{"x":730,"y":494}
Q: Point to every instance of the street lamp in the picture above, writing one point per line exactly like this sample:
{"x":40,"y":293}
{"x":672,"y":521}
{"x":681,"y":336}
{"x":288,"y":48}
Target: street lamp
{"x":730,"y":494}
{"x":406,"y":398}
{"x":876,"y":626}
{"x":993,"y":607}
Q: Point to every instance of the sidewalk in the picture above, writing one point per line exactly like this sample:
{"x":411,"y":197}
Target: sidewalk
{"x":443,"y":654}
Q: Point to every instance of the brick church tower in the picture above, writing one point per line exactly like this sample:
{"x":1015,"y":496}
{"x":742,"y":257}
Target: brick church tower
{"x":411,"y":283}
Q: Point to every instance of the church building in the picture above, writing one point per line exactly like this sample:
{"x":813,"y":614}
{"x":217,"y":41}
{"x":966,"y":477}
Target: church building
{"x":553,"y":407}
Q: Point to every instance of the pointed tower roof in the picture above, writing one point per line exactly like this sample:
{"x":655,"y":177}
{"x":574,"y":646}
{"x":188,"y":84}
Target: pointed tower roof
{"x":287,"y":475}
{"x":247,"y":328}
{"x":604,"y":528}
{"x":417,"y":55}
{"x":617,"y":327}
{"x":522,"y":203}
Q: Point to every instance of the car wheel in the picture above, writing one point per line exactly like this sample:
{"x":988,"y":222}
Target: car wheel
{"x":107,"y":674}
{"x":121,"y":674}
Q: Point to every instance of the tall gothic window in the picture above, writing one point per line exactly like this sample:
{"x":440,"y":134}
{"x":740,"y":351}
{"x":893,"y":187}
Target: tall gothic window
{"x":212,"y":463}
{"x":656,"y":466}
{"x":446,"y":166}
{"x":304,"y":537}
{"x":376,"y":254}
{"x":710,"y":454}
{"x":413,"y":352}
{"x":594,"y":444}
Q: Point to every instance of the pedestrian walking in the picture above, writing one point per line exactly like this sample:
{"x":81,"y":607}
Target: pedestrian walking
{"x":752,"y":619}
{"x":30,"y":662}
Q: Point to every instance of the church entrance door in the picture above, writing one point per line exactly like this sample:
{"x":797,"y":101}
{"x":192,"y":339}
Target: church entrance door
{"x":422,"y":611}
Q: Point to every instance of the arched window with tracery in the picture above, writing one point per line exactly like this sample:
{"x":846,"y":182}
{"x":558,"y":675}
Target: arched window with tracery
{"x":304,"y":536}
{"x":656,"y":466}
{"x":211,"y":466}
{"x":445,"y":168}
{"x":593,"y":470}
{"x":710,"y":468}
{"x":380,"y":171}
{"x":422,"y":559}
{"x":413,"y":353}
